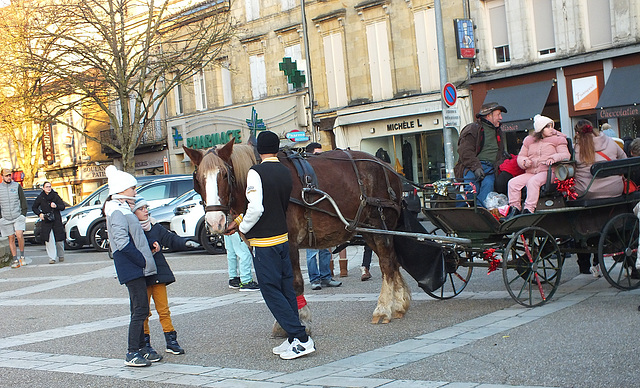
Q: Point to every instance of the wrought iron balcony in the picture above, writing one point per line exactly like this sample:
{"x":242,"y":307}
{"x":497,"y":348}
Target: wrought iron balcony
{"x":153,"y":137}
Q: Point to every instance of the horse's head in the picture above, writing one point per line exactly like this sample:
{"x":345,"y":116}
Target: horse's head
{"x":220,"y":179}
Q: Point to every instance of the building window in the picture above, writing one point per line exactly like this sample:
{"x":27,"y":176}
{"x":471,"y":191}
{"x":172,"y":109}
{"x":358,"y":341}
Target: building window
{"x":334,"y":67}
{"x":499,"y":33}
{"x":177,"y":97}
{"x":545,"y":33}
{"x":379,"y":61}
{"x":599,"y":23}
{"x":288,"y":4}
{"x":199,"y":90}
{"x":252,"y":8}
{"x":258,"y":76}
{"x":425,"y":23}
{"x":295,"y":53}
{"x":225,"y":83}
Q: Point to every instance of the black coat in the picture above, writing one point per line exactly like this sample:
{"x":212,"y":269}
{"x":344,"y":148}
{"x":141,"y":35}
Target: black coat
{"x":42,"y":204}
{"x":167,"y":239}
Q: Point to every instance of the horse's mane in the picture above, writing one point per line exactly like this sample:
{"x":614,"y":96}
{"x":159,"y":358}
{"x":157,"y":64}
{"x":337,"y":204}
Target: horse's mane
{"x":242,"y":159}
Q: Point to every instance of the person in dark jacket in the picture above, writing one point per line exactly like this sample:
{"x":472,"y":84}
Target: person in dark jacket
{"x":132,"y":258}
{"x":48,"y":206}
{"x":264,"y":225}
{"x":157,"y":284}
{"x":481,"y":150}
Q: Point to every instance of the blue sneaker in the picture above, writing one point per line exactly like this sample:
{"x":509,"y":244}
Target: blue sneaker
{"x":136,"y":359}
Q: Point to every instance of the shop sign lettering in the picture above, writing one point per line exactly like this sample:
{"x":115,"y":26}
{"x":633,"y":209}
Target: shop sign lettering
{"x":612,"y":113}
{"x":404,"y":125}
{"x":213,"y":139}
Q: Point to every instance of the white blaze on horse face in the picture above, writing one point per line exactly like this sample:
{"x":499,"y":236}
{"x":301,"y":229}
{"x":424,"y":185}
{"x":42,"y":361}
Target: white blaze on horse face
{"x":215,"y":219}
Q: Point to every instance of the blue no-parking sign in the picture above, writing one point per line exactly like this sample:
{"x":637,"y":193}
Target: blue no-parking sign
{"x":449,"y":94}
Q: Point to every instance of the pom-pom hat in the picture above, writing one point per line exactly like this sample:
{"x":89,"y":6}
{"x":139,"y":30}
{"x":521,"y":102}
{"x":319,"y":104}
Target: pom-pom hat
{"x":268,"y":143}
{"x":119,"y":181}
{"x":539,"y":122}
{"x":140,"y":202}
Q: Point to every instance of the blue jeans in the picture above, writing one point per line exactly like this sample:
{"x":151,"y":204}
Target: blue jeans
{"x":275,"y":275}
{"x":485,"y":186}
{"x":239,"y":258}
{"x":323,"y":264}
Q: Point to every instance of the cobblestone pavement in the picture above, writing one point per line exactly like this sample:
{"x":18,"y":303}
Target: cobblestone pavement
{"x":66,"y":325}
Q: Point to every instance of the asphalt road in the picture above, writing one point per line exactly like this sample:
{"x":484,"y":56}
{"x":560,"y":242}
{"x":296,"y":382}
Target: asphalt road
{"x":65,"y":325}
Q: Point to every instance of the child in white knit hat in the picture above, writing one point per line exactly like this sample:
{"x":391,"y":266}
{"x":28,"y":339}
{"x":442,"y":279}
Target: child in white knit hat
{"x":132,"y":258}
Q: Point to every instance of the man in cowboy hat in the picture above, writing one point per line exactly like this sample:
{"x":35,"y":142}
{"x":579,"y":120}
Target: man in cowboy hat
{"x":481,"y":150}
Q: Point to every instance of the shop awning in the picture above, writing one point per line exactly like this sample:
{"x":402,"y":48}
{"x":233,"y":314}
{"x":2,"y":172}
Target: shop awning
{"x":621,"y":95}
{"x":522,"y":101}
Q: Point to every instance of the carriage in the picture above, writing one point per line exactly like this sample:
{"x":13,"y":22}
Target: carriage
{"x":531,"y":248}
{"x":341,"y":193}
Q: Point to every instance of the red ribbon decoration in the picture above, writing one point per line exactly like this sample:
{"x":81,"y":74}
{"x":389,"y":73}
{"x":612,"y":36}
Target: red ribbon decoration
{"x":490,"y":256}
{"x":301,"y":301}
{"x":566,"y":187}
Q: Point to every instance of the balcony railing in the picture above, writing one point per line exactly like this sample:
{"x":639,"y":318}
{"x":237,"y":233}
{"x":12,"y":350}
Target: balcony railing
{"x":153,"y":135}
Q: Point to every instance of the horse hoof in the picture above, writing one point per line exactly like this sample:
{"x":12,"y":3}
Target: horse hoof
{"x":397,"y":315}
{"x":375,"y":320}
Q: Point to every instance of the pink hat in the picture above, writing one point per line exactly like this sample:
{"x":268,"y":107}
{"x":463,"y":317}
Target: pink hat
{"x":539,"y":122}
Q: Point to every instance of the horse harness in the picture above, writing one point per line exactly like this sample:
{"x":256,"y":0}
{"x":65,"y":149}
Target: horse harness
{"x":309,"y":181}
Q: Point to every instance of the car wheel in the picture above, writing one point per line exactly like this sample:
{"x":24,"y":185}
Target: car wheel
{"x":99,"y":238}
{"x":213,"y":244}
{"x":71,"y":245}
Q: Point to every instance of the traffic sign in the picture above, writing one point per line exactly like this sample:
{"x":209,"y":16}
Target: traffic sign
{"x":449,"y":94}
{"x":451,"y":118}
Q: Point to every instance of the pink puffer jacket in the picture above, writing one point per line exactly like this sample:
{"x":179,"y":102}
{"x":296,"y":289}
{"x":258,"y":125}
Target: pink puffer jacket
{"x":539,"y":151}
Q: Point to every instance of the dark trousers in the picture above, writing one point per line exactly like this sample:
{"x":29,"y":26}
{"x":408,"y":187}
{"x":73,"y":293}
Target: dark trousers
{"x":139,"y":306}
{"x":366,"y":257}
{"x":275,"y":276}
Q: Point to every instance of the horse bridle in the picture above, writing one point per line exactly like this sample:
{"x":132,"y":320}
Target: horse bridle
{"x":231,"y":181}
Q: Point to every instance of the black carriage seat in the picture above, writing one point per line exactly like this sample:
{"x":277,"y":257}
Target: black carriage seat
{"x":550,"y":189}
{"x":606,"y":169}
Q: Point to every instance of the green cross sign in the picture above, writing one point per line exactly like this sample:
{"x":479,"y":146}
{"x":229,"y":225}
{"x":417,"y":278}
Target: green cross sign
{"x":290,"y":69}
{"x":255,"y":124}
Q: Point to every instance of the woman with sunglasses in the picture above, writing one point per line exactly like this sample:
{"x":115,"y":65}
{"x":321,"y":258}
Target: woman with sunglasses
{"x":539,"y":151}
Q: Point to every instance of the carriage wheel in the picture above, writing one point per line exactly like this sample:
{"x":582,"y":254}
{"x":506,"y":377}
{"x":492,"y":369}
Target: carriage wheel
{"x":617,"y":252}
{"x":532,"y":265}
{"x":457,"y":277}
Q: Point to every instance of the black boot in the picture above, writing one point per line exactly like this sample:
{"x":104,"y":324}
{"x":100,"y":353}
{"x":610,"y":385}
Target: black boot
{"x":148,"y":352}
{"x":513,"y":211}
{"x":172,"y":343}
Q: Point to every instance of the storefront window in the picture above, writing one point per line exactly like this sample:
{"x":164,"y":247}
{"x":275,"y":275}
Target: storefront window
{"x":629,"y":126}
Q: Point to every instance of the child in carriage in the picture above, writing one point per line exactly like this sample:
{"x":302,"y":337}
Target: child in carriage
{"x":539,"y":150}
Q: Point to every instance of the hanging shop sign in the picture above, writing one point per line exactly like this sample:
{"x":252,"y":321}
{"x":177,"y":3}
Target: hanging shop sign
{"x":297,"y":135}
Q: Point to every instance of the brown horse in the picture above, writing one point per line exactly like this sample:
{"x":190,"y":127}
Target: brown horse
{"x":366,"y":191}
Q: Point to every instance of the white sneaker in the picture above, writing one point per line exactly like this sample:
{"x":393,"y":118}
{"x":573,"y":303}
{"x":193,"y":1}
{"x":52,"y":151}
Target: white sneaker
{"x":282,"y":347}
{"x":595,"y":271}
{"x":298,"y":349}
{"x":23,"y":261}
{"x":15,"y":263}
{"x":52,"y":261}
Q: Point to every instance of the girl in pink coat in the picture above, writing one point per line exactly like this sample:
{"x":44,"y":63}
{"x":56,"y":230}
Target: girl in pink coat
{"x":540,"y":150}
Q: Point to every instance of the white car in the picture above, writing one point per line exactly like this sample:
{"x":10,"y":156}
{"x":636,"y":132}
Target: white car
{"x":189,"y":222}
{"x":86,"y":225}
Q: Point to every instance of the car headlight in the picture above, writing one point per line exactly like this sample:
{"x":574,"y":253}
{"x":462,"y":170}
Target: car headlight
{"x":79,"y":215}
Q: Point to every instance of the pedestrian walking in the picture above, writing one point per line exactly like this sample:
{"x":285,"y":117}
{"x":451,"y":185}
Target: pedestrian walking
{"x":157,"y":284}
{"x":132,"y":258}
{"x":13,"y":205}
{"x":265,"y":226}
{"x":47,"y":207}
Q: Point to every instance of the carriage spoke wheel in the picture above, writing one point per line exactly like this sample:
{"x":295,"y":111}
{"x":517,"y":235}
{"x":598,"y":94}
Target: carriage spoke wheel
{"x":456,"y":276}
{"x":532,"y":265}
{"x":617,"y":252}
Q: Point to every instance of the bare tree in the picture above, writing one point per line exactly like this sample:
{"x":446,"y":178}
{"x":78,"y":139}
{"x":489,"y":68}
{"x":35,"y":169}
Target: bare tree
{"x":118,"y":53}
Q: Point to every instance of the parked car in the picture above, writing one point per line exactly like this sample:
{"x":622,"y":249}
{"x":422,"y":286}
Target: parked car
{"x":163,"y":214}
{"x":189,"y":222}
{"x":86,"y":225}
{"x":31,"y":218}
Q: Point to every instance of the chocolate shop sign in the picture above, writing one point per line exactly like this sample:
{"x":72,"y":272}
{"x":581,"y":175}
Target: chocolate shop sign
{"x":213,"y":139}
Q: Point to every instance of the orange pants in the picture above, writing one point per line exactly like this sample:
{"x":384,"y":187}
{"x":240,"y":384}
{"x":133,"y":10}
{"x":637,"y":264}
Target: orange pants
{"x":159,"y":294}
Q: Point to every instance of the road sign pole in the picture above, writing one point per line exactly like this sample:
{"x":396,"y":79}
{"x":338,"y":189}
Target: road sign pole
{"x":442,"y":66}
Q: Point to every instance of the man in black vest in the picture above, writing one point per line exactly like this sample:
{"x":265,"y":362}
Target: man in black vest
{"x":265,"y":227}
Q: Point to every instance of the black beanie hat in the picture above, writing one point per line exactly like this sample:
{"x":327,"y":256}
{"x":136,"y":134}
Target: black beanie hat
{"x":268,"y":143}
